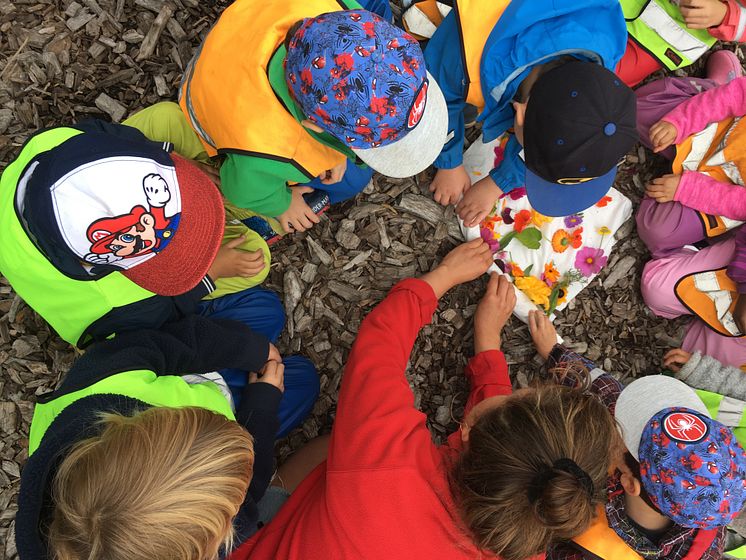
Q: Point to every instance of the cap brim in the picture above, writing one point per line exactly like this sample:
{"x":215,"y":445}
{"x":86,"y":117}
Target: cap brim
{"x":556,"y":200}
{"x":644,"y":398}
{"x":417,"y":150}
{"x":187,"y":258}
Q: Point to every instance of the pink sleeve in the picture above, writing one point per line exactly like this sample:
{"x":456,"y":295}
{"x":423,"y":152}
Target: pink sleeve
{"x":702,"y":192}
{"x":734,"y":24}
{"x":713,"y":105}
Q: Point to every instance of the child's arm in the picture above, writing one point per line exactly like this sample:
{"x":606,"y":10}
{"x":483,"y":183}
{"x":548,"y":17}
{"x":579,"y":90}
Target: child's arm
{"x":713,"y":105}
{"x":702,"y":192}
{"x":376,"y":423}
{"x":733,"y":26}
{"x":193,"y":345}
{"x":705,"y":372}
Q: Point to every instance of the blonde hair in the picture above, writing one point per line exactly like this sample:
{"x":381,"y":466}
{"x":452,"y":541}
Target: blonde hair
{"x":514,"y":488}
{"x":165,"y":483}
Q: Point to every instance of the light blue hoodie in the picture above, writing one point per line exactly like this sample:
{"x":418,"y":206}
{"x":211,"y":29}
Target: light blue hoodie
{"x":528,"y":33}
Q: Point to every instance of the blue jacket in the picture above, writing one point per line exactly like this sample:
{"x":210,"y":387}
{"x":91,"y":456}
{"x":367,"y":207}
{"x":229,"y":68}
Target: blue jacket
{"x":529,"y":32}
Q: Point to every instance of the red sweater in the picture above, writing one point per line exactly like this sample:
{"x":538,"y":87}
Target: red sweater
{"x":383,"y":491}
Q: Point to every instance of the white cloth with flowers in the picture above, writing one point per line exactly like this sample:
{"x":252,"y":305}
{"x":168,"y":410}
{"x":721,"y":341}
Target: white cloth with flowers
{"x":550,"y":260}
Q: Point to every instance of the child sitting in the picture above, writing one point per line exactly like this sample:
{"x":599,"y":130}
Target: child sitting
{"x":525,"y":469}
{"x":683,"y":477}
{"x":131,"y":459}
{"x":689,"y":209}
{"x":103,"y":231}
{"x":542,"y":68}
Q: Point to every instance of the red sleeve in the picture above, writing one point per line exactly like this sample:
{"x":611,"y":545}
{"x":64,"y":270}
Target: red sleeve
{"x":377,"y":423}
{"x":488,"y":374}
{"x":733,"y":26}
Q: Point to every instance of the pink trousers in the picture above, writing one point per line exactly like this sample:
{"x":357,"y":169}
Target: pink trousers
{"x":658,"y":282}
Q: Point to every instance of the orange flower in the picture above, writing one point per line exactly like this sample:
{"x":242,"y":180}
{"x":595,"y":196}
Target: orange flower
{"x":576,"y":237}
{"x":603,"y":202}
{"x":521,"y":220}
{"x":551,"y":274}
{"x":491,"y":221}
{"x":515,"y":270}
{"x":560,"y":241}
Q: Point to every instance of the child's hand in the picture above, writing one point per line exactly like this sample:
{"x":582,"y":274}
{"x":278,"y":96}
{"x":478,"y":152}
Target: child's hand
{"x":675,"y":359}
{"x":662,"y":135}
{"x":299,"y":216}
{"x":542,"y":331}
{"x":231,"y":261}
{"x":663,"y":189}
{"x":478,"y":201}
{"x":273,"y":354}
{"x":701,"y":14}
{"x":464,"y":263}
{"x":334,"y":175}
{"x":272,"y":373}
{"x":493,"y":312}
{"x":449,"y":184}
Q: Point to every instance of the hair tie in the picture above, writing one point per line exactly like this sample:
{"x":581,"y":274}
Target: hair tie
{"x":546,"y":473}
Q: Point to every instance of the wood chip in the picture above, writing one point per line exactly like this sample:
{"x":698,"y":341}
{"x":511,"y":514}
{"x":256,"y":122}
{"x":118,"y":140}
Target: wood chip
{"x":151,"y":39}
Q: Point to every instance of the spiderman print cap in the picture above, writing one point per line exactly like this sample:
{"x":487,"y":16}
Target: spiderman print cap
{"x":364,"y":81}
{"x":691,"y":466}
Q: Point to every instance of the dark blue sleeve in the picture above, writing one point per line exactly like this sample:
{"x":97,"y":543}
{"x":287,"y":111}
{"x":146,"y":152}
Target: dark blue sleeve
{"x":380,"y":7}
{"x":511,"y":173}
{"x":444,"y":62}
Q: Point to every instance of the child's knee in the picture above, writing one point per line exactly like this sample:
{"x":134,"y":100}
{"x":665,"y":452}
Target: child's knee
{"x":657,"y":289}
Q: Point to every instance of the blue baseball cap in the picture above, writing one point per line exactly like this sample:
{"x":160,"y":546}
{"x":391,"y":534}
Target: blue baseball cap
{"x":580,"y":122}
{"x":364,"y":81}
{"x":691,"y":465}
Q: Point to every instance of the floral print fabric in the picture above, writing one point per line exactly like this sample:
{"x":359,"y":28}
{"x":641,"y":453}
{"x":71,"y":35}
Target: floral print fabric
{"x":550,"y":260}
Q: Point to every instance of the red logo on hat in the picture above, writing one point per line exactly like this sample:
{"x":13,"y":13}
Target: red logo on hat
{"x":685,"y":427}
{"x":418,"y":107}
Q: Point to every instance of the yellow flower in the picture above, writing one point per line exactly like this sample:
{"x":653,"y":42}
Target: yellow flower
{"x":603,"y":230}
{"x":536,"y":290}
{"x":561,"y":296}
{"x":539,"y":219}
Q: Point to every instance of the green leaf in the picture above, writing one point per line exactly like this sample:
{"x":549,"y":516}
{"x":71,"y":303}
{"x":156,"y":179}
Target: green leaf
{"x":528,"y":270}
{"x":506,"y":239}
{"x":553,"y":297}
{"x":530,"y":237}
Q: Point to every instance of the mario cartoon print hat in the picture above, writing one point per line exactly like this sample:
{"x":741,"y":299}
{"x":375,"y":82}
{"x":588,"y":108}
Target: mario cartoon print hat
{"x":364,"y":81}
{"x":691,"y":466}
{"x":102,"y":203}
{"x":580,"y":122}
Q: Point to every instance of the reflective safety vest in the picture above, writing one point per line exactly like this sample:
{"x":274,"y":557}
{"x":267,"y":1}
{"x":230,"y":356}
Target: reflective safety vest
{"x":603,"y":542}
{"x":476,"y":19}
{"x":718,"y":151}
{"x":227,"y":95}
{"x":169,"y":391}
{"x":69,"y":305}
{"x":659,"y":27}
{"x":712,"y":296}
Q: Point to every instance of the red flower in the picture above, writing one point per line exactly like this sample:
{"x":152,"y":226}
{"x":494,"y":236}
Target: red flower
{"x":603,"y":202}
{"x":522,"y":219}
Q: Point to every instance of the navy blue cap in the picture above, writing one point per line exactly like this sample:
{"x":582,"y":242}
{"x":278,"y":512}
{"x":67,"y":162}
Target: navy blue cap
{"x":580,"y":122}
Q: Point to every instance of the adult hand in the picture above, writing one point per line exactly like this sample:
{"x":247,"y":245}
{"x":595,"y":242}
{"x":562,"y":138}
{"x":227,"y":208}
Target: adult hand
{"x":298,"y":216}
{"x":663,"y":189}
{"x":449,"y":184}
{"x":466,"y":262}
{"x":211,"y":171}
{"x":701,"y":14}
{"x":334,"y":175}
{"x":662,"y":135}
{"x":739,"y":313}
{"x":232,"y":261}
{"x":493,"y":312}
{"x":272,"y":373}
{"x":675,"y":359}
{"x":478,"y":201}
{"x":542,"y":332}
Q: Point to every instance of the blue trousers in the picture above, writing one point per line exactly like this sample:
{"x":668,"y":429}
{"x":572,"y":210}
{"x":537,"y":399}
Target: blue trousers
{"x":262,"y":311}
{"x":353,"y":181}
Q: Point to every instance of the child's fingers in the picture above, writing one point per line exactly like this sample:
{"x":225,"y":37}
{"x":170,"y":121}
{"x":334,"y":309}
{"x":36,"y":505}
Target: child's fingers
{"x":493,"y":284}
{"x":253,"y":378}
{"x":233,"y":243}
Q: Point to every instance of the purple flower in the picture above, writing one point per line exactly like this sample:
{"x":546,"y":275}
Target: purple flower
{"x":590,"y":260}
{"x":488,"y":236}
{"x":573,"y":220}
{"x":505,"y":215}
